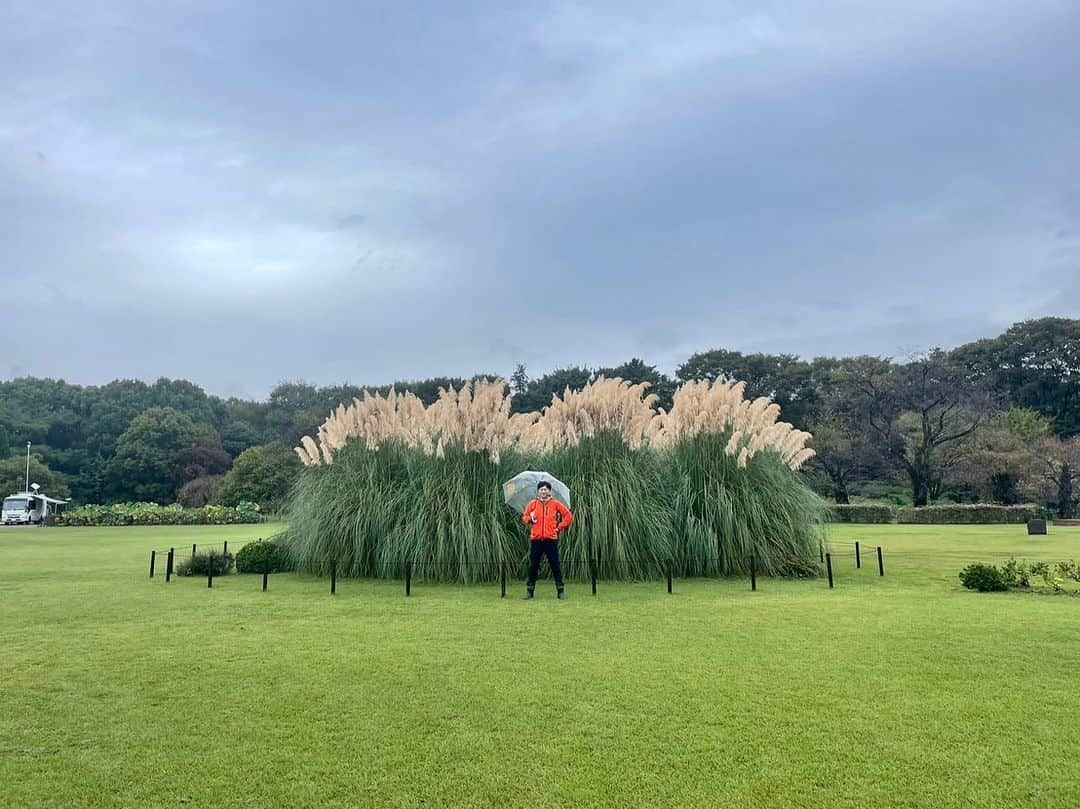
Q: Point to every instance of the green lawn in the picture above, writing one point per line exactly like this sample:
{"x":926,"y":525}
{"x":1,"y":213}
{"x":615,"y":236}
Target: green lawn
{"x":904,"y":691}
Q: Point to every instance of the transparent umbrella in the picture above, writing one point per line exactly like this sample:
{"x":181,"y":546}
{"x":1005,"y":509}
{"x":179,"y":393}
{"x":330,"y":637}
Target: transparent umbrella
{"x":521,"y":488}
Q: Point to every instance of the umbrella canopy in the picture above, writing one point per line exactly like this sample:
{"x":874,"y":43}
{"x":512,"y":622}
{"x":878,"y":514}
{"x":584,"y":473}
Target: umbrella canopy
{"x":520,"y":489}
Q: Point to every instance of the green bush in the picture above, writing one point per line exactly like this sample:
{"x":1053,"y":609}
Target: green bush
{"x":264,"y":474}
{"x":1016,"y":574}
{"x":264,"y":555}
{"x":861,"y":513}
{"x":1054,"y":574}
{"x":1070,"y":569}
{"x":977,"y":514}
{"x":200,"y":564}
{"x":153,"y":514}
{"x":984,"y":578}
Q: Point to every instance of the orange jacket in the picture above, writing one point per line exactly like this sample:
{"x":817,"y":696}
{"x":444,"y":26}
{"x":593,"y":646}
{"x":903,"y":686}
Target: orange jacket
{"x":550,"y":518}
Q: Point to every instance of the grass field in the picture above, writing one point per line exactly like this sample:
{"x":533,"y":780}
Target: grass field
{"x":904,"y":691}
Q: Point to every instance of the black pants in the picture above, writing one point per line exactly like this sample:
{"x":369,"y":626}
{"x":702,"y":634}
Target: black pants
{"x":538,"y":549}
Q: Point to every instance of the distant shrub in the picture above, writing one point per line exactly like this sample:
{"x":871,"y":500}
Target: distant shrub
{"x":1070,"y":569}
{"x":262,"y":555}
{"x":984,"y":578}
{"x":200,"y":564}
{"x":861,"y":513}
{"x":977,"y":514}
{"x":200,"y":491}
{"x":1054,"y":574}
{"x":1016,"y":574}
{"x":153,"y":514}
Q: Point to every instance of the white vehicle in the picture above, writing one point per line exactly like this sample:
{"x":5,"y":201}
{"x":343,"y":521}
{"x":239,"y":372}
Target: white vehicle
{"x":29,"y":508}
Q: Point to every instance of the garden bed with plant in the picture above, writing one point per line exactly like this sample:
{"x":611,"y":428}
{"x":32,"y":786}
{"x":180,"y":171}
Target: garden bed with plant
{"x":153,"y":514}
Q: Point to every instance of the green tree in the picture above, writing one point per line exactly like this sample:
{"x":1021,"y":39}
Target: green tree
{"x":1059,"y":472}
{"x":540,"y":390}
{"x":519,"y":380}
{"x":918,"y":415}
{"x":13,"y":477}
{"x":1034,"y":364}
{"x":784,"y":378}
{"x":145,"y":466}
{"x":263,"y":475}
{"x":1025,"y":423}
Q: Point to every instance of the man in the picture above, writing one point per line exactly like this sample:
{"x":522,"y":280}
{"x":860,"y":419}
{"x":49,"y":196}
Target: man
{"x":548,"y":519}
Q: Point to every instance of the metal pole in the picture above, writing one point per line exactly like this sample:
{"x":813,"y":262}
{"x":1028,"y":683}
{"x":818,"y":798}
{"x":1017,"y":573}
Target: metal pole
{"x":753,"y":573}
{"x":333,"y":578}
{"x":210,"y":569}
{"x":502,"y":582}
{"x":858,"y":555}
{"x":592,"y":574}
{"x":880,"y":562}
{"x":669,"y":578}
{"x":27,"y":467}
{"x":408,"y":578}
{"x":821,"y":551}
{"x":828,"y":564}
{"x":153,"y":556}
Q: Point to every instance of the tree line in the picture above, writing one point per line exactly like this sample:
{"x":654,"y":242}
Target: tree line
{"x":996,"y":420}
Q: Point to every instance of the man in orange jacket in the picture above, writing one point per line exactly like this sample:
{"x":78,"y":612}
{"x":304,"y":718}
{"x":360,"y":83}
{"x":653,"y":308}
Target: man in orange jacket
{"x":548,"y":519}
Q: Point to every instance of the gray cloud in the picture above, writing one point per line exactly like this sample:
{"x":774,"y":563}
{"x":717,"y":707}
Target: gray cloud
{"x":249,"y":192}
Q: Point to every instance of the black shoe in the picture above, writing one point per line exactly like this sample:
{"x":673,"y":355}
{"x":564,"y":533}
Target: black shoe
{"x":562,"y":595}
{"x":528,"y":596}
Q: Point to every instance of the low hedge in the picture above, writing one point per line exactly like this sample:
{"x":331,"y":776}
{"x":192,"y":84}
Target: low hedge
{"x":976,"y":514}
{"x":153,"y":514}
{"x":862,"y":513}
{"x":200,"y":564}
{"x":263,"y":555}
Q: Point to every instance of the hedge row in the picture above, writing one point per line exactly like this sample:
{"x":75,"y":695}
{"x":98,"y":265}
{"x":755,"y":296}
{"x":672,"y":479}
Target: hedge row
{"x":977,"y":514}
{"x":153,"y":514}
{"x":862,"y":513}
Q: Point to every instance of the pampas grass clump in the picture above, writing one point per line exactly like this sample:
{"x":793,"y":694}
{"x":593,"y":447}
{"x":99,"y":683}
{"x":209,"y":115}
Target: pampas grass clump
{"x":595,"y":441}
{"x":735,"y":492}
{"x":389,"y":481}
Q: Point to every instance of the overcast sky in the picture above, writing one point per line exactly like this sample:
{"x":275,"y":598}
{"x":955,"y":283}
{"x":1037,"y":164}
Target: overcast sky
{"x":242,"y":193}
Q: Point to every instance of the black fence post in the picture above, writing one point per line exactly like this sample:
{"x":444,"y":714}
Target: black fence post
{"x":333,"y":578}
{"x":502,"y":581}
{"x":192,"y":550}
{"x":266,"y":575}
{"x":225,"y":550}
{"x":153,"y":556}
{"x":858,"y":555}
{"x":669,"y":578}
{"x":821,"y":551}
{"x":753,"y":573}
{"x":169,"y":564}
{"x":210,"y":569}
{"x":408,"y":578}
{"x":828,"y":564}
{"x":880,"y":562}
